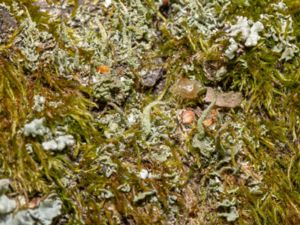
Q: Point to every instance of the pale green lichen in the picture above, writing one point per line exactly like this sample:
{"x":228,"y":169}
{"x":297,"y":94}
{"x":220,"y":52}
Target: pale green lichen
{"x":204,"y":114}
{"x":280,"y":28}
{"x":248,"y":30}
{"x":39,"y":103}
{"x":146,"y":117}
{"x":232,"y":48}
{"x":199,"y":15}
{"x":199,"y":141}
{"x":44,"y":214}
{"x":7,"y":205}
{"x":36,"y":128}
{"x":112,"y":89}
{"x":233,"y":214}
{"x":59,"y":143}
{"x":30,"y":40}
{"x":109,"y":167}
{"x":124,"y":188}
{"x":143,"y":195}
{"x":162,"y":154}
{"x":106,"y":194}
{"x":4,"y":186}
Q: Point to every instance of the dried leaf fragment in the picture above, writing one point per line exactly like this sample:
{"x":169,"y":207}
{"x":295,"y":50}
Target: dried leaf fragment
{"x":229,"y":99}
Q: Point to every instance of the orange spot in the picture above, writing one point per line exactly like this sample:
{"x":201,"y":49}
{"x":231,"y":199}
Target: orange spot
{"x":212,"y":118}
{"x":103,"y":69}
{"x":165,"y":2}
{"x":208,"y":122}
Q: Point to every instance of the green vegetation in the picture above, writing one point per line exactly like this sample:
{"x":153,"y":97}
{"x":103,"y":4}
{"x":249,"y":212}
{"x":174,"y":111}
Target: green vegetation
{"x":90,"y":110}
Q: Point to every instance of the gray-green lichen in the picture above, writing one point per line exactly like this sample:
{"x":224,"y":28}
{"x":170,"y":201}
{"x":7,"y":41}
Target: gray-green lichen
{"x":199,"y":15}
{"x":146,"y":120}
{"x":6,"y":205}
{"x":248,"y":30}
{"x":31,"y":41}
{"x":36,"y":128}
{"x":39,"y":103}
{"x":112,"y":88}
{"x":53,"y":142}
{"x":59,"y":143}
{"x":143,"y":195}
{"x":43,"y":214}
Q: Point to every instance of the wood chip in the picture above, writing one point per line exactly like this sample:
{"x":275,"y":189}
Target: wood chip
{"x":229,"y":99}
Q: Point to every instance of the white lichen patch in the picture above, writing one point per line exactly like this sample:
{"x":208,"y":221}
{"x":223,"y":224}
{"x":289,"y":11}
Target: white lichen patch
{"x":279,"y":6}
{"x":249,"y":32}
{"x":47,"y":211}
{"x":241,"y":27}
{"x":59,"y":143}
{"x":39,"y":103}
{"x":36,"y":128}
{"x":232,"y":48}
{"x":6,"y":205}
{"x":51,"y":141}
{"x":254,"y":37}
{"x":144,"y":174}
{"x":4,"y":185}
{"x":107,"y":3}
